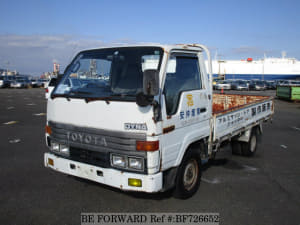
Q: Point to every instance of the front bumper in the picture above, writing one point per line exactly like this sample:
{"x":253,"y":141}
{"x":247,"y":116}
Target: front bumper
{"x":242,"y":88}
{"x":108,"y":176}
{"x":16,"y":85}
{"x":224,"y":88}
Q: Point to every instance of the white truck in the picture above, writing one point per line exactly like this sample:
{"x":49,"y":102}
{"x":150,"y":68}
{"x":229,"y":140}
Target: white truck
{"x":144,"y":118}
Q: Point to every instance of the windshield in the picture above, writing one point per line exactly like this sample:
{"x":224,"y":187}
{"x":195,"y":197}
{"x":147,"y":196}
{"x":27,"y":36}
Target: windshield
{"x":223,"y":82}
{"x":260,"y":82}
{"x":108,"y":72}
{"x":241,"y":83}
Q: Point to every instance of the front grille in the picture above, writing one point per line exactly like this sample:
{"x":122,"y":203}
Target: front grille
{"x":97,"y":139}
{"x":94,"y":146}
{"x":90,"y":157}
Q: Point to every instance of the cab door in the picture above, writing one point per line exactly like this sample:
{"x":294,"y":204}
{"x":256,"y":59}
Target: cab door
{"x":186,"y":106}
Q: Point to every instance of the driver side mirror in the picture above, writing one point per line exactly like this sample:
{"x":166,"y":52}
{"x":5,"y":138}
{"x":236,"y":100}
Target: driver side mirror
{"x":150,"y":88}
{"x":150,"y":82}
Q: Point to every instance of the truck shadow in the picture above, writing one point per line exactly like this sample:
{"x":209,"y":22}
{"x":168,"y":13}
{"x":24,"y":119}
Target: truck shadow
{"x":228,"y":163}
{"x":153,"y":196}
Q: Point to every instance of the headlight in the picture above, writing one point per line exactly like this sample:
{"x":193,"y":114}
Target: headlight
{"x":64,"y":149}
{"x":135,"y":163}
{"x":127,"y":162}
{"x":118,"y":161}
{"x":54,"y":146}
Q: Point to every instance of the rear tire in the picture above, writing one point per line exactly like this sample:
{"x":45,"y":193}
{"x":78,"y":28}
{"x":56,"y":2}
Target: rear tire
{"x":249,"y":148}
{"x":236,"y":147}
{"x":188,"y":176}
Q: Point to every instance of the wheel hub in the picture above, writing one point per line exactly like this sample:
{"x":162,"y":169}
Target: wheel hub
{"x":190,"y":174}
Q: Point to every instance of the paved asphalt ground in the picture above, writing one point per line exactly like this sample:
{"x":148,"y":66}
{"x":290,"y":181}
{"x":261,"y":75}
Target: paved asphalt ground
{"x":264,"y":189}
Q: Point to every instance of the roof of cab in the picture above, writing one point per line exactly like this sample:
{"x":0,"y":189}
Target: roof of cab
{"x":192,"y":47}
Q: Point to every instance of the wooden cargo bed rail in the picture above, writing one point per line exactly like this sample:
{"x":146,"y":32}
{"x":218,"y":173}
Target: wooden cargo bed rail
{"x":228,"y":102}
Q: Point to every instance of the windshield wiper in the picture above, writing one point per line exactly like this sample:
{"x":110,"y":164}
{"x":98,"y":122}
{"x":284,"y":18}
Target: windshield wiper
{"x":69,"y":95}
{"x":87,"y":99}
{"x":107,"y":98}
{"x":91,"y":99}
{"x":72,"y":94}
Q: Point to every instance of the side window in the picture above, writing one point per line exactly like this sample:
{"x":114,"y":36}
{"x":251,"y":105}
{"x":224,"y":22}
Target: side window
{"x":183,"y":74}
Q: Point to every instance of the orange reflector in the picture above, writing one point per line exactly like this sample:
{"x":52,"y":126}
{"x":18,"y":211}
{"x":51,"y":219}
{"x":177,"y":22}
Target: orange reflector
{"x":147,"y":146}
{"x":50,"y":162}
{"x":48,"y":130}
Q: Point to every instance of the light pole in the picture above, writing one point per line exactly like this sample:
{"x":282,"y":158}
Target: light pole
{"x":7,"y":65}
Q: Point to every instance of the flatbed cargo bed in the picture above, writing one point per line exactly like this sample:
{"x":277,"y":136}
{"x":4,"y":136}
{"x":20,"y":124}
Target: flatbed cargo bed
{"x":234,"y":114}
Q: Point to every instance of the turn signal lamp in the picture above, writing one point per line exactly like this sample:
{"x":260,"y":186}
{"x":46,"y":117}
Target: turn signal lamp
{"x":50,"y":162}
{"x":48,"y":130}
{"x":149,"y":146}
{"x":134,"y":182}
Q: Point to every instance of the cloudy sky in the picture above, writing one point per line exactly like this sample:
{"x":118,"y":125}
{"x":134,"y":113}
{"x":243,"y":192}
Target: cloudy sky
{"x":36,"y":33}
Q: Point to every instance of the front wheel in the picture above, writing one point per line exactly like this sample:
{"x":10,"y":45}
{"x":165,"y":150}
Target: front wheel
{"x":188,"y":176}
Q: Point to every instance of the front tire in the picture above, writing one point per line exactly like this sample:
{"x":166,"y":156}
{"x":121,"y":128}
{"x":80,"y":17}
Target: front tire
{"x":188,"y":175}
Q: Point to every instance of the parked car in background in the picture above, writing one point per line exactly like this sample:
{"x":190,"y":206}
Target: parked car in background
{"x":270,"y":84}
{"x":223,"y":84}
{"x":20,"y":82}
{"x":279,"y":82}
{"x":248,"y":83}
{"x":290,"y":83}
{"x":50,"y":86}
{"x":215,"y":82}
{"x":239,"y":85}
{"x":4,"y":82}
{"x":43,"y":82}
{"x":11,"y":79}
{"x":35,"y":83}
{"x":257,"y":85}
